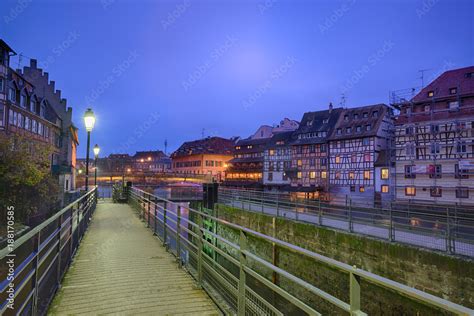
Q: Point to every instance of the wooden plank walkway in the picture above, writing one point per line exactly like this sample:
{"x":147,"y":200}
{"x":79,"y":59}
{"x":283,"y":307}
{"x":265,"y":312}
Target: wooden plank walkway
{"x":121,"y":268}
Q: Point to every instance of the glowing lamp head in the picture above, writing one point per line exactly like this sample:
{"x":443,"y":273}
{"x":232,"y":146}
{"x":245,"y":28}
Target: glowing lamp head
{"x":128,"y":170}
{"x":89,"y":120}
{"x":96,"y":150}
{"x":149,"y":158}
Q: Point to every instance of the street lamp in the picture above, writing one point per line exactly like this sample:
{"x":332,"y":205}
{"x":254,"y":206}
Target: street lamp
{"x":89,"y":121}
{"x":96,"y":155}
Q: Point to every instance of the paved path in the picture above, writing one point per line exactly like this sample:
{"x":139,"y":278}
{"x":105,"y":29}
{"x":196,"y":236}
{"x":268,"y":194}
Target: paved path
{"x":120,"y":268}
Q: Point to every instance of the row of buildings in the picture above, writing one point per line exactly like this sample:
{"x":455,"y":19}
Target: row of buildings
{"x":31,"y":106}
{"x":420,"y":147}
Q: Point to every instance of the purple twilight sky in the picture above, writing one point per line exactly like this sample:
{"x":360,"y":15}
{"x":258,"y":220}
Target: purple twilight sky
{"x":156,"y":70}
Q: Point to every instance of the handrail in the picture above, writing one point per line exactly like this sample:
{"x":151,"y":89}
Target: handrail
{"x":356,"y":274}
{"x":45,"y":252}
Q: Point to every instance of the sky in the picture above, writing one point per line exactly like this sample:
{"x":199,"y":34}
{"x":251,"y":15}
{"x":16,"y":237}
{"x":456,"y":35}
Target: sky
{"x":177,"y":70}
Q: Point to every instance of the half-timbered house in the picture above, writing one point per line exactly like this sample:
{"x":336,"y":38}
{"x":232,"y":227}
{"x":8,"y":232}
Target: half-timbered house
{"x":355,"y":144}
{"x":435,"y":141}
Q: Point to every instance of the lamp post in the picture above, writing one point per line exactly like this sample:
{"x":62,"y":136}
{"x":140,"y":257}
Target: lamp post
{"x":96,"y":155}
{"x":89,"y":121}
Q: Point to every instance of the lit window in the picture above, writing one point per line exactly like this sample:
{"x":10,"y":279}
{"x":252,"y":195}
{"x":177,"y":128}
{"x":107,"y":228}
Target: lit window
{"x":351,"y":175}
{"x":312,"y":175}
{"x":299,"y":175}
{"x":337,"y":175}
{"x":271,"y":152}
{"x":384,"y":174}
{"x":338,"y":159}
{"x":384,"y":188}
{"x":299,"y":162}
{"x":366,"y":175}
{"x":323,"y":174}
{"x":362,"y":189}
{"x":410,"y":191}
{"x":430,"y":94}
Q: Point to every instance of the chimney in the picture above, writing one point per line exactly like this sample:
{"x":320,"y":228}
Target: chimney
{"x":33,"y":63}
{"x":330,"y":107}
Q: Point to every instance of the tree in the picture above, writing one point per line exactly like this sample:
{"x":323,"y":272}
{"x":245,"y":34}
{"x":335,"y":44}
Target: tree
{"x":26,"y":181}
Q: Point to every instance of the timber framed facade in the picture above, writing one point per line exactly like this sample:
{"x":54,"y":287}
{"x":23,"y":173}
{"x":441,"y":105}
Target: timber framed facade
{"x":360,"y":135}
{"x":277,"y":158}
{"x":309,"y":170}
{"x":435,"y":141}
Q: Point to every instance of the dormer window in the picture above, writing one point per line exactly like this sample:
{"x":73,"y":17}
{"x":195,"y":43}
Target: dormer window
{"x":325,"y":121}
{"x":356,"y":116}
{"x":430,"y":94}
{"x":365,"y":115}
{"x":375,"y":114}
{"x":309,"y":123}
{"x":427,"y":108}
{"x":453,"y":90}
{"x":339,"y":131}
{"x":368,"y":127}
{"x":358,"y":129}
{"x":346,"y":118}
{"x":23,"y":100}
{"x":42,"y":110}
{"x":469,"y":75}
{"x":348,"y":130}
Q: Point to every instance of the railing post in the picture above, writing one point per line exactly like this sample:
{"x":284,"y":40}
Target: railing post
{"x":350,"y":216}
{"x":242,"y":276}
{"x":164,"y":224}
{"x":355,"y":294}
{"x":320,"y":211}
{"x":36,"y":264}
{"x":154,"y":218}
{"x":262,"y":202}
{"x":200,"y":245}
{"x":278,"y":200}
{"x":391,"y":234}
{"x":448,"y":232}
{"x":178,"y":235}
{"x":60,"y":219}
{"x":148,"y":212}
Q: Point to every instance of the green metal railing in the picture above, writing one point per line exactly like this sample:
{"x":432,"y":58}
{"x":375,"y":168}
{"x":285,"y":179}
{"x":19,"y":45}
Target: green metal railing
{"x":233,"y":271}
{"x":33,"y":266}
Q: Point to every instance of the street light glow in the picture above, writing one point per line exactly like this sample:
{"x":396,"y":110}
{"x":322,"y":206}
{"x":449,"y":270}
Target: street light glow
{"x":89,"y":119}
{"x":96,"y":150}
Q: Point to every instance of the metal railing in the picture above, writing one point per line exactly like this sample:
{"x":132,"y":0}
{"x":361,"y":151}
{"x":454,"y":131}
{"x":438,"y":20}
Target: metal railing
{"x":438,"y":227}
{"x":33,"y":266}
{"x":233,"y":271}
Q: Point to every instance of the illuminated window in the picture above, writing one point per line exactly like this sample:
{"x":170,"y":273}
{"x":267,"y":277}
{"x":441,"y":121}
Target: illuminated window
{"x":299,"y":175}
{"x":351,"y":175}
{"x":323,"y":174}
{"x":384,"y":188}
{"x":361,"y":189}
{"x":338,"y":175}
{"x":384,"y":174}
{"x":410,"y":191}
{"x":271,"y":152}
{"x":338,"y":159}
{"x":430,"y":94}
{"x":367,"y":175}
{"x":300,"y":162}
{"x":312,"y":175}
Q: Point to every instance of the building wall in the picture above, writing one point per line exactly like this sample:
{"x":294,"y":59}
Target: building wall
{"x":275,"y":161}
{"x":215,"y":165}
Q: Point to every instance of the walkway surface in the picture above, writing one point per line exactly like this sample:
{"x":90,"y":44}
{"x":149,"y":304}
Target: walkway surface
{"x":121,"y":268}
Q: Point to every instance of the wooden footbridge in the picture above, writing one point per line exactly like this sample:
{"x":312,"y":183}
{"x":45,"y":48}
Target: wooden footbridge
{"x":157,"y":257}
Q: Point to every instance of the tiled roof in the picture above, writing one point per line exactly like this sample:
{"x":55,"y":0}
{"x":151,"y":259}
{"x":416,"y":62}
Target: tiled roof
{"x":281,"y":139}
{"x":210,"y":145}
{"x":151,"y":153}
{"x":462,"y":79}
{"x":355,"y":118}
{"x":314,"y":122}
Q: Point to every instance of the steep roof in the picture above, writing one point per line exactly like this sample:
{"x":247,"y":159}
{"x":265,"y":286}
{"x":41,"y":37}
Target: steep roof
{"x":360,"y":117}
{"x":280,"y":139}
{"x":150,"y":153}
{"x":461,"y":78}
{"x":314,"y":122}
{"x":6,"y":46}
{"x":209,"y":145}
